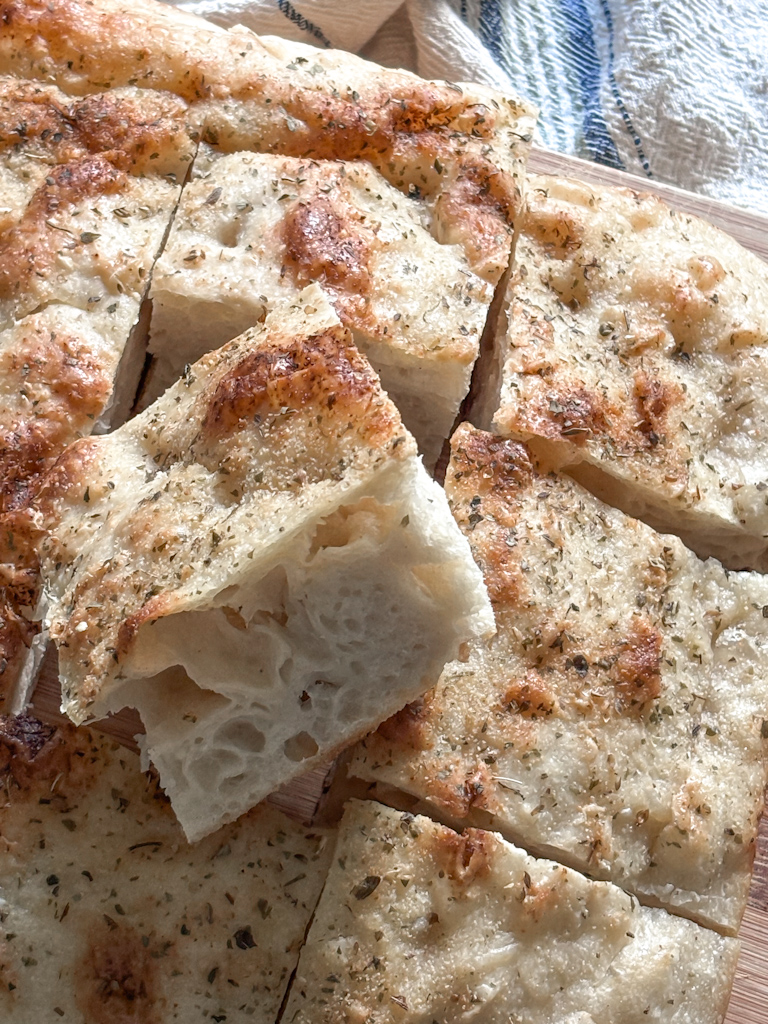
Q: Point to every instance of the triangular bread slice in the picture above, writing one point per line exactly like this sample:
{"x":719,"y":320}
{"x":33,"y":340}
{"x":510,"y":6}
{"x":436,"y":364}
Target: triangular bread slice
{"x":419,"y":923}
{"x":110,"y":915}
{"x":637,"y":358}
{"x":258,"y":563}
{"x":253,"y":229}
{"x":618,"y":720}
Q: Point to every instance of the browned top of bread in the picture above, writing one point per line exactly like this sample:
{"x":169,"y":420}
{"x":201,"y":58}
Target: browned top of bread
{"x":462,"y":145}
{"x":253,"y":435}
{"x":616,"y":719}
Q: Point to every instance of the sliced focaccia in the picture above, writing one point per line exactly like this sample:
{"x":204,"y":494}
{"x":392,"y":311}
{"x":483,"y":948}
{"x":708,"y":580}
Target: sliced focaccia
{"x":457,"y":152}
{"x":636,"y":357}
{"x":89,"y":188}
{"x":258,"y":563}
{"x":110,"y":915}
{"x":145,"y":133}
{"x":460,"y":147}
{"x":618,"y":719}
{"x":58,"y":369}
{"x":253,"y":229}
{"x":418,"y":923}
{"x":87,"y":238}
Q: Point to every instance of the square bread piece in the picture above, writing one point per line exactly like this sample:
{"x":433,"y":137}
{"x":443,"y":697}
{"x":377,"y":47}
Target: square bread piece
{"x":418,"y":923}
{"x":258,"y":563}
{"x":253,"y":229}
{"x":618,"y":719}
{"x":89,"y":188}
{"x":109,"y":915}
{"x":636,"y":358}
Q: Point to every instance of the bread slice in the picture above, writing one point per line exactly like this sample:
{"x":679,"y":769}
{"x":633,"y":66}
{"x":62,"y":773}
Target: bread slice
{"x":145,"y":133}
{"x":89,"y":187}
{"x":418,"y":923}
{"x":618,"y":719}
{"x":110,"y":915}
{"x":253,"y":229}
{"x":636,"y":358}
{"x":258,"y":563}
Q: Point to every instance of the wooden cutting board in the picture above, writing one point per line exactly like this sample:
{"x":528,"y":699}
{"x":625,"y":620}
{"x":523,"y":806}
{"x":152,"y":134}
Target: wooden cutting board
{"x":300,"y":799}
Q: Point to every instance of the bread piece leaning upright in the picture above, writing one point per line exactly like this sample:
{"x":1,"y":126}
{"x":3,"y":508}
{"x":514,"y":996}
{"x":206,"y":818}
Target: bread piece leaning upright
{"x":258,"y":563}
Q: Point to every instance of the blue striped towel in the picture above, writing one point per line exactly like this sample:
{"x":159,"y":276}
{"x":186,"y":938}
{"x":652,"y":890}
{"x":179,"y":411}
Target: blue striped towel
{"x":676,"y":90}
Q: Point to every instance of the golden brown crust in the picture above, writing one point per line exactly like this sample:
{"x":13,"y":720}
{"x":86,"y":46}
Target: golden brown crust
{"x":327,"y":240}
{"x":500,"y":472}
{"x":136,"y":129}
{"x":119,"y":978}
{"x":492,"y":483}
{"x":65,"y":385}
{"x":267,"y":416}
{"x":465,"y":857}
{"x":635,"y":354}
{"x":19,"y":591}
{"x":111,"y":45}
{"x":426,"y":138}
{"x":610,"y":718}
{"x":636,"y":669}
{"x":410,"y":725}
{"x":70,"y":165}
{"x":28,"y":249}
{"x":319,"y":371}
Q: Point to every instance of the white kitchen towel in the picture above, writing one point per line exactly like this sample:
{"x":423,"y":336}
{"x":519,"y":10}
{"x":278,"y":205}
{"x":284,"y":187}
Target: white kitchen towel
{"x":676,"y":90}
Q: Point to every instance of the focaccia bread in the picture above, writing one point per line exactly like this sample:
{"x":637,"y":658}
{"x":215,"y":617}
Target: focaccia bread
{"x":618,"y":720}
{"x":252,"y":229}
{"x":258,"y":563}
{"x":89,"y":187}
{"x":57,"y":374}
{"x":636,"y":357}
{"x":418,"y":923}
{"x":457,"y":152}
{"x":109,"y":915}
{"x":460,"y":146}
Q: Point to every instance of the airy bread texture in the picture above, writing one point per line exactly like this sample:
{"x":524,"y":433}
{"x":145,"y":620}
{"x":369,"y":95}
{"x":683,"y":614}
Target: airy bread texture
{"x":618,"y":719}
{"x":253,"y":229}
{"x":258,"y":563}
{"x":110,"y":915}
{"x":636,"y":358}
{"x":418,"y":923}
